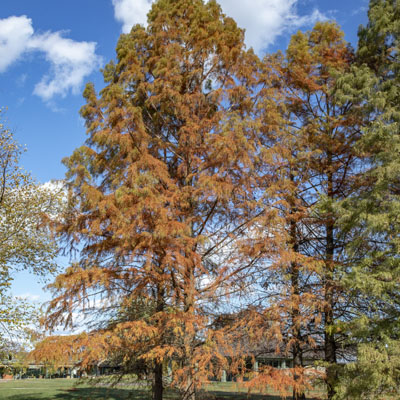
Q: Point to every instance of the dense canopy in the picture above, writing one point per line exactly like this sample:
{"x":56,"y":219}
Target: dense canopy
{"x":225,"y":209}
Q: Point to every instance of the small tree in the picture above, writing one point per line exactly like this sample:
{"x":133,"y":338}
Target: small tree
{"x":25,"y":242}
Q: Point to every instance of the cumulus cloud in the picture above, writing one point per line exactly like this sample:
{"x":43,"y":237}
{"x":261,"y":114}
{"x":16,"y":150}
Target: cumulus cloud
{"x":15,"y":32}
{"x":70,"y":61}
{"x":131,"y":12}
{"x":264,"y":21}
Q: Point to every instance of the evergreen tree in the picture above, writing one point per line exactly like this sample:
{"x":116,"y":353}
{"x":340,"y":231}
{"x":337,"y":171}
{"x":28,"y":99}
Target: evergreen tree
{"x":374,"y":211}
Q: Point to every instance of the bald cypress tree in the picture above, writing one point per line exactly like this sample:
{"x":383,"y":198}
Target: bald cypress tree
{"x":327,"y":125}
{"x":154,"y":191}
{"x":309,"y":165}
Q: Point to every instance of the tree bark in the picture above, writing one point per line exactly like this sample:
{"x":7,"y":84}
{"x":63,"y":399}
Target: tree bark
{"x":295,"y":312}
{"x":158,"y":387}
{"x":190,"y":393}
{"x":296,"y":349}
{"x":330,"y":343}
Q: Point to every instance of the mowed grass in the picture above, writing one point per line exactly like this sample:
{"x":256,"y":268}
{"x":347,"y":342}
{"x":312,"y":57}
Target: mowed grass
{"x":68,"y":389}
{"x":233,"y":391}
{"x":64,"y":389}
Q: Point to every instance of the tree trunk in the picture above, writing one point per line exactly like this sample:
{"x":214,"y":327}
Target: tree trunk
{"x":189,"y":339}
{"x":158,"y":387}
{"x":329,"y":336}
{"x":330,"y":342}
{"x":295,"y":312}
{"x":296,"y":349}
{"x":297,"y":363}
{"x":330,"y":357}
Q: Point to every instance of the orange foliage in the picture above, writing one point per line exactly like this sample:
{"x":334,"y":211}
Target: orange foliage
{"x":201,"y":176}
{"x":158,"y":193}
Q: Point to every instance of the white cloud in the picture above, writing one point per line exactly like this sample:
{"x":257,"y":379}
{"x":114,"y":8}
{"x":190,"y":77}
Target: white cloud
{"x":131,"y":12}
{"x":297,"y":21}
{"x":70,"y":61}
{"x":264,"y":20}
{"x":21,"y":80}
{"x":360,"y":10}
{"x":14,"y":35}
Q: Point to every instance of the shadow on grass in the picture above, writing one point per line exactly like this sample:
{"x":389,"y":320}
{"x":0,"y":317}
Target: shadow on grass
{"x":244,"y":396}
{"x":97,"y":393}
{"x":86,"y":394}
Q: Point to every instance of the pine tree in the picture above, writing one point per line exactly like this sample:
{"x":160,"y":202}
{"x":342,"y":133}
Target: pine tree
{"x":374,"y":212}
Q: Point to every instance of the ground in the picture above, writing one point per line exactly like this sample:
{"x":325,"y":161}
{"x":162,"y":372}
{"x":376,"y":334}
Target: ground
{"x":67,"y":389}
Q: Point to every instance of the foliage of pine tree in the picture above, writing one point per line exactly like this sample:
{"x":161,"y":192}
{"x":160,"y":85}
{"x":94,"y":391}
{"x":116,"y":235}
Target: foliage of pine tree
{"x":375,"y":212}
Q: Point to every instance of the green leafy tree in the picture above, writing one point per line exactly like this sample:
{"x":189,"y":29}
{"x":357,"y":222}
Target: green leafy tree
{"x":24,"y":242}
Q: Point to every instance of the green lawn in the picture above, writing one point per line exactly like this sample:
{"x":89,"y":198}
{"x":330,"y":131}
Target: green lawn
{"x":231,"y":391}
{"x":64,"y":389}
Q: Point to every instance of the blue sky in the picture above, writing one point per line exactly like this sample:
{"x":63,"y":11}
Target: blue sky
{"x":50,"y":49}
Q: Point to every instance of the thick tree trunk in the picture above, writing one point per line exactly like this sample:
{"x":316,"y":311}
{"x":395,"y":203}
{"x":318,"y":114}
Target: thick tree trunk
{"x":330,"y":342}
{"x":330,"y":357}
{"x":296,"y":349}
{"x":189,"y":392}
{"x":158,"y":387}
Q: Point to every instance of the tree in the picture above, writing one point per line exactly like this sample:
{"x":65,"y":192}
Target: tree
{"x":278,"y":322}
{"x":24,"y":242}
{"x":374,"y":211}
{"x":108,"y":342}
{"x":331,"y":119}
{"x":154,"y":192}
{"x":58,"y":352}
{"x":15,"y":317}
{"x":312,"y":164}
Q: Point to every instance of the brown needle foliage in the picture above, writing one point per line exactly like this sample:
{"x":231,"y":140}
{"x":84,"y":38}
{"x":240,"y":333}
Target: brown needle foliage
{"x":308,"y":163}
{"x":157,"y":194}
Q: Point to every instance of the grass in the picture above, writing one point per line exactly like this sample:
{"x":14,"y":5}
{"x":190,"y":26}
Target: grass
{"x":67,"y":389}
{"x":232,"y":391}
{"x":63,"y":389}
